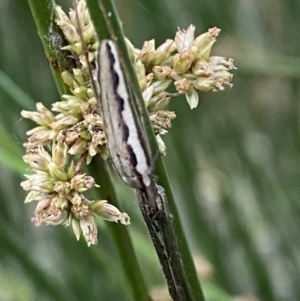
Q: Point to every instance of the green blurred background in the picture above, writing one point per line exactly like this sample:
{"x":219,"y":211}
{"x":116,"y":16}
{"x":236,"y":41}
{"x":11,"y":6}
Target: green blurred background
{"x":233,"y":162}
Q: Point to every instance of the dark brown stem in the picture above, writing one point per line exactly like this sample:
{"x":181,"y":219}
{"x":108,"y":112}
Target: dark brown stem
{"x":80,"y":162}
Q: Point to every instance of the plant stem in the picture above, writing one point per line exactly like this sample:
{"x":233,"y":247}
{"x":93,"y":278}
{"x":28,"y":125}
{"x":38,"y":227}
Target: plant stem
{"x":52,"y":39}
{"x":120,"y":234}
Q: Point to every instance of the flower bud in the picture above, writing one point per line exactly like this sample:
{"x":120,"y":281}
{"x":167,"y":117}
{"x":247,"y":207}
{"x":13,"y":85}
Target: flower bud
{"x":67,"y":78}
{"x":82,"y":182}
{"x":163,"y":52}
{"x":204,"y":84}
{"x":204,"y":43}
{"x":60,"y":153}
{"x":147,"y":94}
{"x":43,"y":116}
{"x":182,"y":62}
{"x":38,"y":159}
{"x":34,"y":196}
{"x":71,"y":170}
{"x":55,"y":217}
{"x":147,"y":52}
{"x":40,"y":135}
{"x":161,"y":145}
{"x":88,"y":33}
{"x":57,"y":172}
{"x":62,"y":188}
{"x":184,"y":39}
{"x":192,"y":98}
{"x":76,"y":228}
{"x":158,"y":101}
{"x":76,"y":199}
{"x":160,"y":86}
{"x":89,"y":229}
{"x":40,"y":182}
{"x":78,"y":148}
{"x":201,"y":68}
{"x":69,"y":31}
{"x":63,"y":122}
{"x":161,"y":72}
{"x":182,"y":85}
{"x":47,"y":115}
{"x":141,"y":74}
{"x":109,"y":212}
{"x":131,"y":50}
{"x":61,"y":15}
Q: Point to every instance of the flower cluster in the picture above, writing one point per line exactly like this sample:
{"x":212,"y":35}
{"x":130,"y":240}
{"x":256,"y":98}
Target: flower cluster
{"x":74,"y":125}
{"x":184,"y":61}
{"x":58,"y":188}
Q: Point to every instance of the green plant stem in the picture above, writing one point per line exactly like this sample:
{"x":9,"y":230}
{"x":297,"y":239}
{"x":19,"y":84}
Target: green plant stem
{"x":112,"y":23}
{"x":120,"y":234}
{"x":98,"y":20}
{"x":52,"y":39}
{"x":189,"y":266}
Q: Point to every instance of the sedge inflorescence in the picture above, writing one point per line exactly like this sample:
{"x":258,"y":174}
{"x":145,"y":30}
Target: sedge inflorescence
{"x":73,"y":128}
